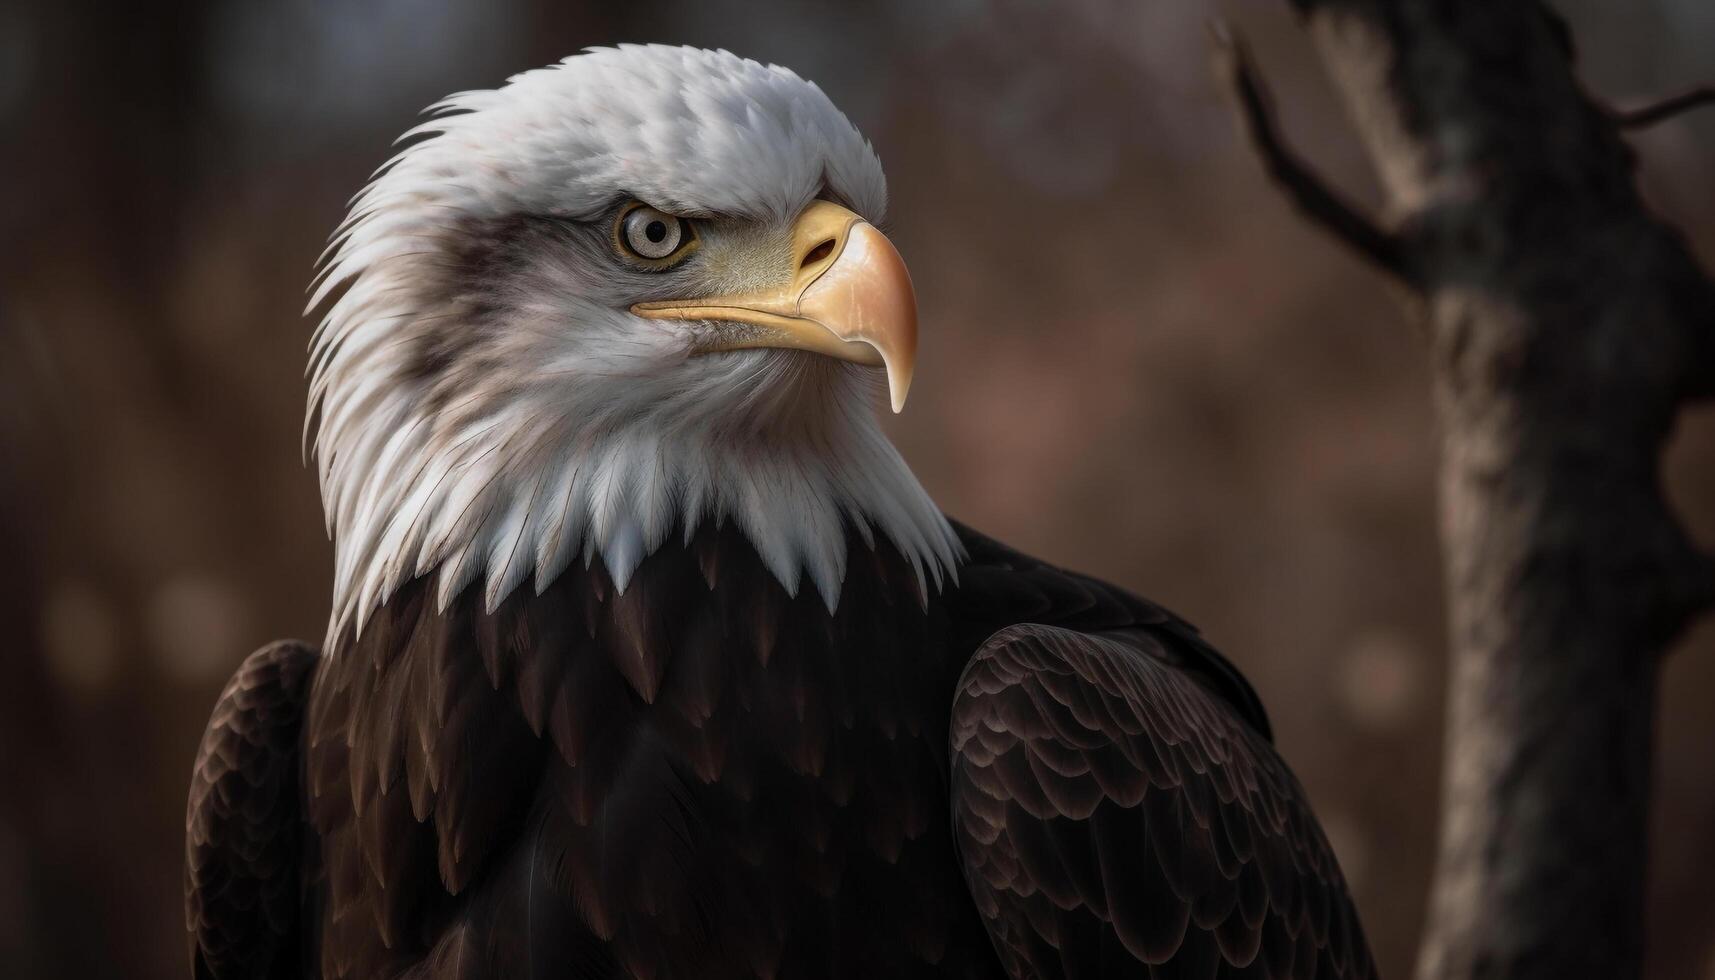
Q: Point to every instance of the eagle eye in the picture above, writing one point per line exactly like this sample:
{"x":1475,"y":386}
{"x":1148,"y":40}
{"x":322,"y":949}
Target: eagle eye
{"x":652,"y":237}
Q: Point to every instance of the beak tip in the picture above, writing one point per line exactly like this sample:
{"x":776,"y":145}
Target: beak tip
{"x":898,"y":383}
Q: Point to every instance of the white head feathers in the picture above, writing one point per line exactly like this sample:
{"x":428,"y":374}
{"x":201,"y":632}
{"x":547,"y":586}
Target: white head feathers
{"x":487,"y":407}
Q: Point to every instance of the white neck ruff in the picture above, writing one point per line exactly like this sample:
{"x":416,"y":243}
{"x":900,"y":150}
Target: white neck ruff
{"x":496,"y":499}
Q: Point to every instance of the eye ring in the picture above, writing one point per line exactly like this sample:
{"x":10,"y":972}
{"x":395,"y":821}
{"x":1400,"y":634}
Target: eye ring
{"x":652,"y":238}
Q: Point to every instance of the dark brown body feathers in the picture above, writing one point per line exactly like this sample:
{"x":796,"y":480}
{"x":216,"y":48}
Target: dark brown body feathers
{"x":707,"y":777}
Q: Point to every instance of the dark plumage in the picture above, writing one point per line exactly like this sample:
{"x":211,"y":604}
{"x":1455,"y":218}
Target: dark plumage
{"x":244,"y":824}
{"x":708,"y":777}
{"x":1110,"y":813}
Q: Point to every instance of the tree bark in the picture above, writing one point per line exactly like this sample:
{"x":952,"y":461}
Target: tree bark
{"x":1567,"y":326}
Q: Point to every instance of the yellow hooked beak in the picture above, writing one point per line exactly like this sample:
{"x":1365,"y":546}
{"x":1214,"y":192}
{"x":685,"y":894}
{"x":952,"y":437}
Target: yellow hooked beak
{"x":849,"y":297}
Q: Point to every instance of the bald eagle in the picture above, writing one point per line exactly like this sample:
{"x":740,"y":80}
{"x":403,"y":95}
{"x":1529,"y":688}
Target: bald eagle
{"x":648,"y":655}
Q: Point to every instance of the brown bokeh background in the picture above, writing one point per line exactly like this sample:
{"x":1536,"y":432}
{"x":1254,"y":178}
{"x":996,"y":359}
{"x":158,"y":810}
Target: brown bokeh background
{"x":1136,"y":361}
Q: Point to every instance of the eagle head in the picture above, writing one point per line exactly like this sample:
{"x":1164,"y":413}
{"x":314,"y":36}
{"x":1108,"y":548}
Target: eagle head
{"x":611,"y":300}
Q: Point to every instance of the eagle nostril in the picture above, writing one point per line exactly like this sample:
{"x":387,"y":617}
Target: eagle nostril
{"x":817,"y":254}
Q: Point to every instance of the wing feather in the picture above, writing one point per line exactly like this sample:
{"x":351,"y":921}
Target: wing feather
{"x":244,"y":823}
{"x":1114,"y":812}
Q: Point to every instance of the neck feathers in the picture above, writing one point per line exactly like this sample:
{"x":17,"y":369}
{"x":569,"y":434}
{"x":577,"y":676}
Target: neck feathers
{"x":496,"y":500}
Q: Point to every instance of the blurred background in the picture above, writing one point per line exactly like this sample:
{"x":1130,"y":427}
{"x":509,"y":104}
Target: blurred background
{"x":1136,"y":361}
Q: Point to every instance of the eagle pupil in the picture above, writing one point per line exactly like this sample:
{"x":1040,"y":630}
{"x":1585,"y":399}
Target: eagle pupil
{"x":656,"y":232}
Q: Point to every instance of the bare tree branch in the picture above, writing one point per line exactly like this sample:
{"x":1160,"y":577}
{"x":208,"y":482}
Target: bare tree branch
{"x":1321,"y":203}
{"x":1568,"y":326}
{"x":1667,"y":108}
